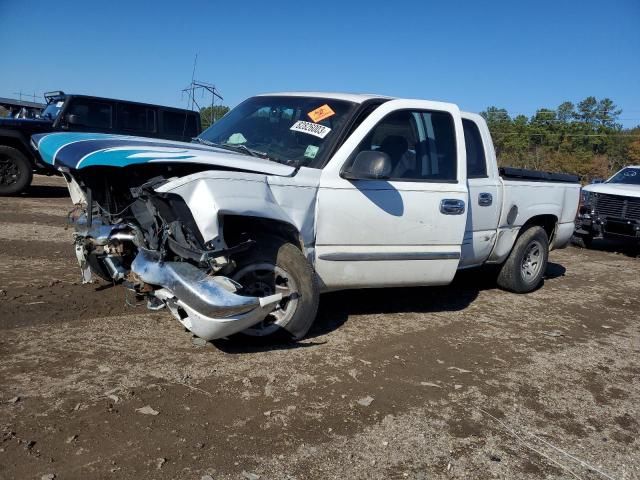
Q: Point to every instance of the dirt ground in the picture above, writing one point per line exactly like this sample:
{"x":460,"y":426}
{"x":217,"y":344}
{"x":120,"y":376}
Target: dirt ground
{"x":464,"y":381}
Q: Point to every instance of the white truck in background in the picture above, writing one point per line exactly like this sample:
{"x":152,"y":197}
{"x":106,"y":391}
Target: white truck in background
{"x":293,"y":194}
{"x":611,"y":209}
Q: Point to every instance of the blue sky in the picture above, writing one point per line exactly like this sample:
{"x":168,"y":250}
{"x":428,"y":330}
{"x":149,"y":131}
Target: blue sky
{"x":520,"y":55}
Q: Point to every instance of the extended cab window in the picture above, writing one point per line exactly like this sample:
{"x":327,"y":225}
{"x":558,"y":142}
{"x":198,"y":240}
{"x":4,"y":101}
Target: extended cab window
{"x":91,"y":113}
{"x":421,"y":145}
{"x":137,"y":118}
{"x":476,"y":161}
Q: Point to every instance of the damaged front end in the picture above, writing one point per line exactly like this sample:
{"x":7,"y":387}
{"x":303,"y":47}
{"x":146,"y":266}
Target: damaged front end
{"x":153,"y":247}
{"x":127,"y":232}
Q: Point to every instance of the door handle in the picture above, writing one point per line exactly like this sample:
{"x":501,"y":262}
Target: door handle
{"x":485,"y":199}
{"x":451,"y":206}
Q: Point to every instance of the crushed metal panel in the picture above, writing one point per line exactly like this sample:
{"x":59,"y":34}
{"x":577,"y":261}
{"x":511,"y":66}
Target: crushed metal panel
{"x":212,"y":194}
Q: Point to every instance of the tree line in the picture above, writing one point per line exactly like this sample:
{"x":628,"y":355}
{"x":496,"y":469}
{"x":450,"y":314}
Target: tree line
{"x":584,"y":138}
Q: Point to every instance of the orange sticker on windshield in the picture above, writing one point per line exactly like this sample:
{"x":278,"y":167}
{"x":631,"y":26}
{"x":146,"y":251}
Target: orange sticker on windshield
{"x":321,"y":113}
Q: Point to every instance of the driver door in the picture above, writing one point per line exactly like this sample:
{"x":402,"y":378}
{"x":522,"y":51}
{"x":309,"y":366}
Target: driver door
{"x":406,"y":229}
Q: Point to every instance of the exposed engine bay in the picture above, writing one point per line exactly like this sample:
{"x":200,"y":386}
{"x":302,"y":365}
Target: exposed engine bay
{"x":129,"y":233}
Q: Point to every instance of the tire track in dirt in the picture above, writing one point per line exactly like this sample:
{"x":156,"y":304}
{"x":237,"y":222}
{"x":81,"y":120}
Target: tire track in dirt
{"x":33,"y":249}
{"x":12,"y":271}
{"x":54,"y":220}
{"x":35,"y":232}
{"x":58,"y":302}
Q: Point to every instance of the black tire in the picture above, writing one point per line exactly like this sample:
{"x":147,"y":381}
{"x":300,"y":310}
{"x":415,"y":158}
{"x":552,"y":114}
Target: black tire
{"x":525,"y":267}
{"x":288,"y":263}
{"x":15,"y":171}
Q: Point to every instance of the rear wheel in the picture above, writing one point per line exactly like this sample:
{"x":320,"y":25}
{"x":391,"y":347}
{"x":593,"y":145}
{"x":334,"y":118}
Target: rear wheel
{"x":15,"y":171}
{"x":523,"y":270}
{"x":277,"y":266}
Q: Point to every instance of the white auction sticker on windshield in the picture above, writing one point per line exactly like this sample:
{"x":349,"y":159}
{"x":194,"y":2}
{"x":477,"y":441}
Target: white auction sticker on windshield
{"x":314,"y":129}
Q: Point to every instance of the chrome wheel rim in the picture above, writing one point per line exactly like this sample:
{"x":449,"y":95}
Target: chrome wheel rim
{"x":532,"y":261}
{"x":261,"y":280}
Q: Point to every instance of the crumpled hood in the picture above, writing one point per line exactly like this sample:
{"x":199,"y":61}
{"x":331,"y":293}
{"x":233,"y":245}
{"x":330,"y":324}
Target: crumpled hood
{"x":81,"y":150}
{"x":624,"y":189}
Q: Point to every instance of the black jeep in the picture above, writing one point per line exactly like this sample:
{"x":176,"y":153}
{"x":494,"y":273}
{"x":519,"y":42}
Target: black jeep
{"x":81,"y":113}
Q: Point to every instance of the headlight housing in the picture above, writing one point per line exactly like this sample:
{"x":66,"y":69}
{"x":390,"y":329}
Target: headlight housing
{"x":585,"y":209}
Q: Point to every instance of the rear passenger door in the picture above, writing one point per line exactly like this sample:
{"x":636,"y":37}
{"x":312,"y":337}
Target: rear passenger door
{"x":485,"y":194}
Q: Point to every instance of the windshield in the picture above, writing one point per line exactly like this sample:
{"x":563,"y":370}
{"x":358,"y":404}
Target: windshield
{"x":52,"y":110}
{"x":627,"y":175}
{"x":292,"y":130}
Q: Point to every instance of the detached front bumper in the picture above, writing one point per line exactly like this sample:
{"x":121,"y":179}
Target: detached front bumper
{"x":206,"y":305}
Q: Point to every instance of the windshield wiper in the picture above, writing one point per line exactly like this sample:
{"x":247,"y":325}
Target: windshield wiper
{"x":204,"y":142}
{"x":235,"y":148}
{"x":226,"y":146}
{"x":243,"y":148}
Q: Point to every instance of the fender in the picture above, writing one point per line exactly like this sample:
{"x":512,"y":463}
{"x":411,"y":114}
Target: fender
{"x":213,"y":194}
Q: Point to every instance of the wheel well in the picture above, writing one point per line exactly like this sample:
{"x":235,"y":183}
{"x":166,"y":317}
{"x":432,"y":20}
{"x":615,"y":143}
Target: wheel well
{"x":18,"y":145}
{"x":234,"y":226}
{"x":547,"y":222}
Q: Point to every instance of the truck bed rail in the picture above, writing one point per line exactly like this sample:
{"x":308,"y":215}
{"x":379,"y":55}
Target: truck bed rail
{"x":523,"y":174}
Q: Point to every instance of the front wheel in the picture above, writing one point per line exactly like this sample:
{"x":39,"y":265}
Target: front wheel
{"x":523,"y":270}
{"x":277,"y":266}
{"x":15,"y":171}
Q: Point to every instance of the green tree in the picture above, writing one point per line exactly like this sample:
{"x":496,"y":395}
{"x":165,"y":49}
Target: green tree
{"x":607,"y":114}
{"x":210,"y":115}
{"x":634,"y":147}
{"x":566,"y":112}
{"x":587,"y":111}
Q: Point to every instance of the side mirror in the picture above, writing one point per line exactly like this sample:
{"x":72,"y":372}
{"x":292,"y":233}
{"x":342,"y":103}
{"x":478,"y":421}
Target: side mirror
{"x":73,"y":119}
{"x":369,"y":164}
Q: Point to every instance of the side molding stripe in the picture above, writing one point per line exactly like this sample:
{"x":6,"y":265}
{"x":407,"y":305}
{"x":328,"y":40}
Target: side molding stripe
{"x":381,"y":256}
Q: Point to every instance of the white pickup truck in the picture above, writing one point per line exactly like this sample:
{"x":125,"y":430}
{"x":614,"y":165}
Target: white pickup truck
{"x":611,"y":209}
{"x":294,"y":194}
